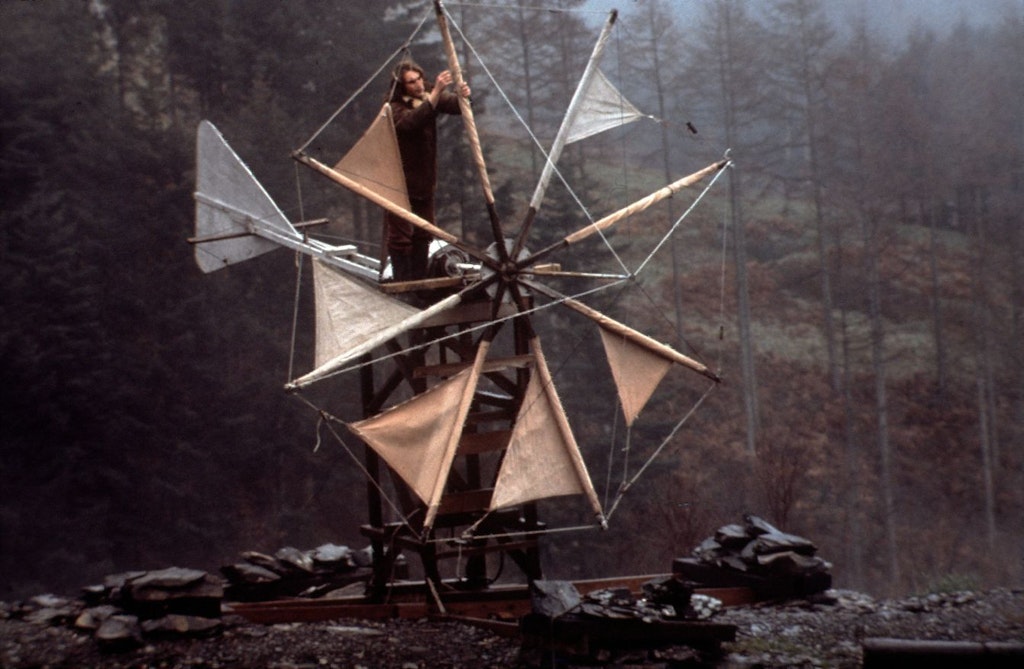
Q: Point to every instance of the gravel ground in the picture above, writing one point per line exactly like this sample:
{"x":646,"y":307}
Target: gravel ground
{"x":827,"y":632}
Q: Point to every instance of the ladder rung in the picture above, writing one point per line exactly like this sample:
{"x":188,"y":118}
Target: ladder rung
{"x":474,"y":443}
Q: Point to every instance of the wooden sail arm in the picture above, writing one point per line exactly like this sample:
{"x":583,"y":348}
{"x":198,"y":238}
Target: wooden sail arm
{"x":390,"y":206}
{"x":562,"y":424}
{"x":469,"y":121}
{"x":635,"y":208}
{"x":627,"y":332}
{"x":380,"y":338}
{"x":554,"y":270}
{"x":248,"y":233}
{"x":561,"y":139}
{"x":420,"y":319}
{"x":644,"y":203}
{"x":465,"y":107}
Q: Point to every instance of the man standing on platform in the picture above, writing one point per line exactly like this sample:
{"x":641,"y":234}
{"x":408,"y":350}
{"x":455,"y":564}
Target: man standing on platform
{"x":414,"y":109}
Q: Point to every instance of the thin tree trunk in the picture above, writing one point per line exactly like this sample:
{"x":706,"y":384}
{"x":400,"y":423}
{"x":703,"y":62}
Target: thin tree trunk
{"x":851,"y":496}
{"x":869,"y":229}
{"x":818,"y":188}
{"x":854,"y":534}
{"x":743,"y":299}
{"x":726,"y":63}
{"x":988,"y":485}
{"x":936,"y":300}
{"x":972,"y":210}
{"x":865,"y":194}
{"x":524,"y":45}
{"x":677,"y":293}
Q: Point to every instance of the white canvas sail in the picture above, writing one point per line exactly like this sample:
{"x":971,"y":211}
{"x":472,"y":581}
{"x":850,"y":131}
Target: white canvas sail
{"x":543,"y":459}
{"x":379,"y":337}
{"x":350,"y":312}
{"x":602,"y":108}
{"x":229,"y":201}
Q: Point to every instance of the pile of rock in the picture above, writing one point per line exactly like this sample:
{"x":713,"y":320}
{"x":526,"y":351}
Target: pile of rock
{"x":756,"y":555}
{"x":291,"y":572}
{"x":128,"y":608}
{"x":663,"y":599}
{"x":615,"y":627}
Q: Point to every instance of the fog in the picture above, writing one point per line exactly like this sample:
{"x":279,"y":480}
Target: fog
{"x":890,"y":18}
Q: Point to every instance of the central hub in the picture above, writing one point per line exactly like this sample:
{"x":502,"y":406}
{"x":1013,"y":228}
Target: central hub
{"x":507,"y":271}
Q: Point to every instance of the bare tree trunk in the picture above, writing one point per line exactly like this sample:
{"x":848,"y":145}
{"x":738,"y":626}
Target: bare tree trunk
{"x":988,"y":485}
{"x":749,"y":372}
{"x":524,"y":44}
{"x":936,"y":300}
{"x":866,"y":193}
{"x":869,"y":234}
{"x":850,"y":491}
{"x":972,"y":210}
{"x":1016,"y":331}
{"x":726,"y":62}
{"x":677,"y":293}
{"x":851,"y":471}
{"x":808,"y":51}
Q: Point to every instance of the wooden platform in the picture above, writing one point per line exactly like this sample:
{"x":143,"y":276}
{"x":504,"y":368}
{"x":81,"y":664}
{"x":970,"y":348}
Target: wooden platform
{"x":414,"y":600}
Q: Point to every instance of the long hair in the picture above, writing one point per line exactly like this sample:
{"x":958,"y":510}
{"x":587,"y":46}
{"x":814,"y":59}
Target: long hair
{"x":397,"y":77}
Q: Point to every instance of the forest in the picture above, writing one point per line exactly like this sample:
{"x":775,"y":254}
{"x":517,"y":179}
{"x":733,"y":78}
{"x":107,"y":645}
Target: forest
{"x":857,"y":277}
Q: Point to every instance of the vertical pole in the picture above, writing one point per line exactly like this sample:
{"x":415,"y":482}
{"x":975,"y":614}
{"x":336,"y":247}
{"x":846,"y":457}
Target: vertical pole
{"x":375,"y":514}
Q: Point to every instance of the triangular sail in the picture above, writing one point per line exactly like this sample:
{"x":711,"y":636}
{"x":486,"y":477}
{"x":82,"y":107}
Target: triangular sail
{"x":603,"y":107}
{"x":637,"y":371}
{"x":375,"y":162}
{"x":229,"y":200}
{"x":350,"y":312}
{"x":378,"y":338}
{"x":568,"y":120}
{"x":542,"y":459}
{"x":419,"y":438}
{"x":413,"y":437}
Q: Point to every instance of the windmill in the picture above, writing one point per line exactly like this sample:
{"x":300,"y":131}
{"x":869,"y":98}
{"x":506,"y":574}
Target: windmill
{"x":483,"y":435}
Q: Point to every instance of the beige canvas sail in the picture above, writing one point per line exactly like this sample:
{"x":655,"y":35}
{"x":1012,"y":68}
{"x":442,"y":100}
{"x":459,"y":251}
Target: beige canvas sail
{"x":419,"y":438}
{"x":375,"y":162}
{"x":350,"y":312}
{"x":637,"y":371}
{"x":542,"y":459}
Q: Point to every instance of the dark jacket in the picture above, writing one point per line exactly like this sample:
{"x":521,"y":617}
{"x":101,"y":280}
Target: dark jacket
{"x":416,"y":127}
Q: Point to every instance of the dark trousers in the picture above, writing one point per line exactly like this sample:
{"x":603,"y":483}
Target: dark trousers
{"x":408,"y":246}
{"x":413,"y":265}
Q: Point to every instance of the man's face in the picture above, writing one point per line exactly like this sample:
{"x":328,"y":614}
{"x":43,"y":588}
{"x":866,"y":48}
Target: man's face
{"x":412,"y":82}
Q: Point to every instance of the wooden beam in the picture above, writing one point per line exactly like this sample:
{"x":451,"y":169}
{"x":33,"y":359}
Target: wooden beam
{"x":453,"y":368}
{"x":475,"y":443}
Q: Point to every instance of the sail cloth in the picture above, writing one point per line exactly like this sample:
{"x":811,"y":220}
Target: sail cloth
{"x":375,"y":162}
{"x":388,"y":330}
{"x":637,"y":371}
{"x":350,"y":312}
{"x":419,"y":437}
{"x":602,"y":108}
{"x":229,"y":200}
{"x":542,"y":459}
